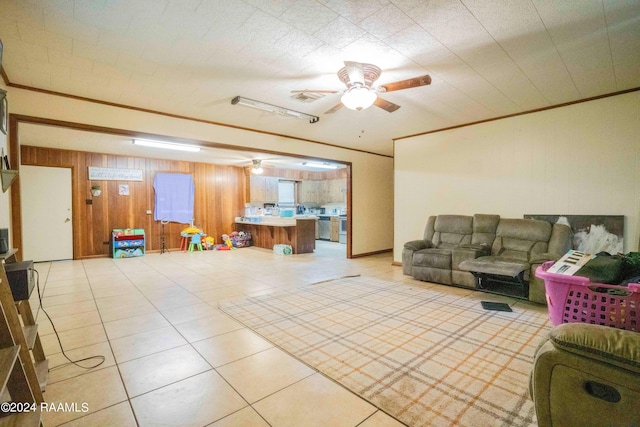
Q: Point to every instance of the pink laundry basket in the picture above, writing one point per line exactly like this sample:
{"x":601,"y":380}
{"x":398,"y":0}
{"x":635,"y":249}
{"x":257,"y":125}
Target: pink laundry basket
{"x":573,"y":299}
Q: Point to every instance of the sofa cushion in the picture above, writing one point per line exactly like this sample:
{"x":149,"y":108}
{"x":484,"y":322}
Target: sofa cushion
{"x":484,"y":229}
{"x":518,"y":239}
{"x":452,"y":230}
{"x":433,"y":257}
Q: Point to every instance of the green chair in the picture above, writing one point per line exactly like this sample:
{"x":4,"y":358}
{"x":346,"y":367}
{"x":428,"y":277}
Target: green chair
{"x":196,"y":241}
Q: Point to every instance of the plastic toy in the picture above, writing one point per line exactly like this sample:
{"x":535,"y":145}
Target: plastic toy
{"x":196,"y":242}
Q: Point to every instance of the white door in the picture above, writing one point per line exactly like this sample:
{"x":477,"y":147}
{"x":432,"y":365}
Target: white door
{"x":47,"y":232}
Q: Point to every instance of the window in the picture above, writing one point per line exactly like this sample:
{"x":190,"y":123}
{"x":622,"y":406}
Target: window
{"x":286,"y":193}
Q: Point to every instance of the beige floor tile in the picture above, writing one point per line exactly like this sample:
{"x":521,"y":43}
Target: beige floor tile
{"x":221,"y":293}
{"x":124,"y":289}
{"x":146,"y":343}
{"x":135,"y":325}
{"x":174,"y":291}
{"x":74,"y":338}
{"x":67,"y":323}
{"x":75,"y":308}
{"x":207,"y":327}
{"x":196,"y":401}
{"x":160,"y":369}
{"x":107,"y":280}
{"x":60,"y":368}
{"x":67,"y":298}
{"x":117,"y":313}
{"x":72,"y":288}
{"x":133,"y":299}
{"x":98,"y":390}
{"x":380,"y":419}
{"x":52,"y":284}
{"x":190,"y":312}
{"x":246,"y":417}
{"x":314,"y":401}
{"x":263,"y":373}
{"x":119,"y":415}
{"x":173,"y":302}
{"x":231,"y":346}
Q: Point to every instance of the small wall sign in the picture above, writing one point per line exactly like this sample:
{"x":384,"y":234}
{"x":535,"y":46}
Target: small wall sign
{"x":115,"y":174}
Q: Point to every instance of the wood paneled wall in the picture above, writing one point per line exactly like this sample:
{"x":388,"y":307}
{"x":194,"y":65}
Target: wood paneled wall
{"x":219,"y":197}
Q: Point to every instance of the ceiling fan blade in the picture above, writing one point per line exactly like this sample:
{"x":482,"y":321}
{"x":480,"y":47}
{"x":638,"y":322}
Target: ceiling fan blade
{"x":354,"y":69}
{"x":386,"y":105}
{"x":315,"y":91}
{"x":406,"y":84}
{"x":334,"y":109}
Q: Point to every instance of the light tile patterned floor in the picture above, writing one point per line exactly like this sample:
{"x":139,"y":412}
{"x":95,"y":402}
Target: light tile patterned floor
{"x":173,"y":358}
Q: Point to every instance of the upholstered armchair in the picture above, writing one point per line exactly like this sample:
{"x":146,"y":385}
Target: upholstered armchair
{"x":587,"y":375}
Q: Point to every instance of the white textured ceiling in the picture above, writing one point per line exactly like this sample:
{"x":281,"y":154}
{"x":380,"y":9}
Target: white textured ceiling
{"x":487,"y":58}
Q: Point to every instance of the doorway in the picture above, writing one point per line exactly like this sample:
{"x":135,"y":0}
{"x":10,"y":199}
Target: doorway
{"x":47,"y":231}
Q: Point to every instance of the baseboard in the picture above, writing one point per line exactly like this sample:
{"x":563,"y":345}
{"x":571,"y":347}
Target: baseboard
{"x":384,"y":251}
{"x":397,"y":263}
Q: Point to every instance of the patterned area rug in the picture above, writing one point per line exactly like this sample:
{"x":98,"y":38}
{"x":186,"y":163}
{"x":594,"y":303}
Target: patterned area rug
{"x":429,"y":356}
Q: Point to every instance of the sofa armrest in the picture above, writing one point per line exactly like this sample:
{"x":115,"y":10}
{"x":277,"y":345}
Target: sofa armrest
{"x":608,"y":345}
{"x":416,"y":245}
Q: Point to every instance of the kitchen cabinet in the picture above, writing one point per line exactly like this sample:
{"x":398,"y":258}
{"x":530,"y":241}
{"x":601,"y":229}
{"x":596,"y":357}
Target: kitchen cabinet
{"x":257,"y":188}
{"x":309,"y":191}
{"x":335,"y":229}
{"x":337,"y":190}
{"x":264,"y":189}
{"x":271,"y":189}
{"x":326,"y":191}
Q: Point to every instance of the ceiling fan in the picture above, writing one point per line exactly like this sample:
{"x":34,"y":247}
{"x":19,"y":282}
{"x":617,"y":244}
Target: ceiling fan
{"x":359,"y":77}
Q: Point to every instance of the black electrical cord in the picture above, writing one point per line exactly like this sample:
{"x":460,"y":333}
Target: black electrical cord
{"x":74,"y":362}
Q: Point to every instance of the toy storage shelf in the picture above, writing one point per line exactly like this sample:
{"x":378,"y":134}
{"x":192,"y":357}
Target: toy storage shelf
{"x":127,"y":243}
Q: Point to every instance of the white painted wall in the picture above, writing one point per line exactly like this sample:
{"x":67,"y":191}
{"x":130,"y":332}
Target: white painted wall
{"x":579,"y":159}
{"x":372,"y":175}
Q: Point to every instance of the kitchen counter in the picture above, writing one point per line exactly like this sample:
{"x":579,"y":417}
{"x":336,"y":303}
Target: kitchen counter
{"x":298,"y":231}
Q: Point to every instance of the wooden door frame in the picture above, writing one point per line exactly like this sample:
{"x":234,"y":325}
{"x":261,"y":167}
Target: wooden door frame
{"x":15,"y":202}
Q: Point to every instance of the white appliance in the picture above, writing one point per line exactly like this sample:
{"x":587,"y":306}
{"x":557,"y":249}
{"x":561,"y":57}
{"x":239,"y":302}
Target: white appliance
{"x":342,"y":238}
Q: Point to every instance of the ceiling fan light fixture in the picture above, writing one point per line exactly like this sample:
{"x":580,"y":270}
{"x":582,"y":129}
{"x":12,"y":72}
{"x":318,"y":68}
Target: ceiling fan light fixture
{"x":257,"y":167}
{"x":358,"y":98}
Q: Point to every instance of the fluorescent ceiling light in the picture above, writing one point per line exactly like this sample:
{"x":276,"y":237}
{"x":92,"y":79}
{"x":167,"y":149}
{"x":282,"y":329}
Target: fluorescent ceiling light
{"x":358,"y":98}
{"x":320,"y":165}
{"x":240,"y":100}
{"x":166,"y":145}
